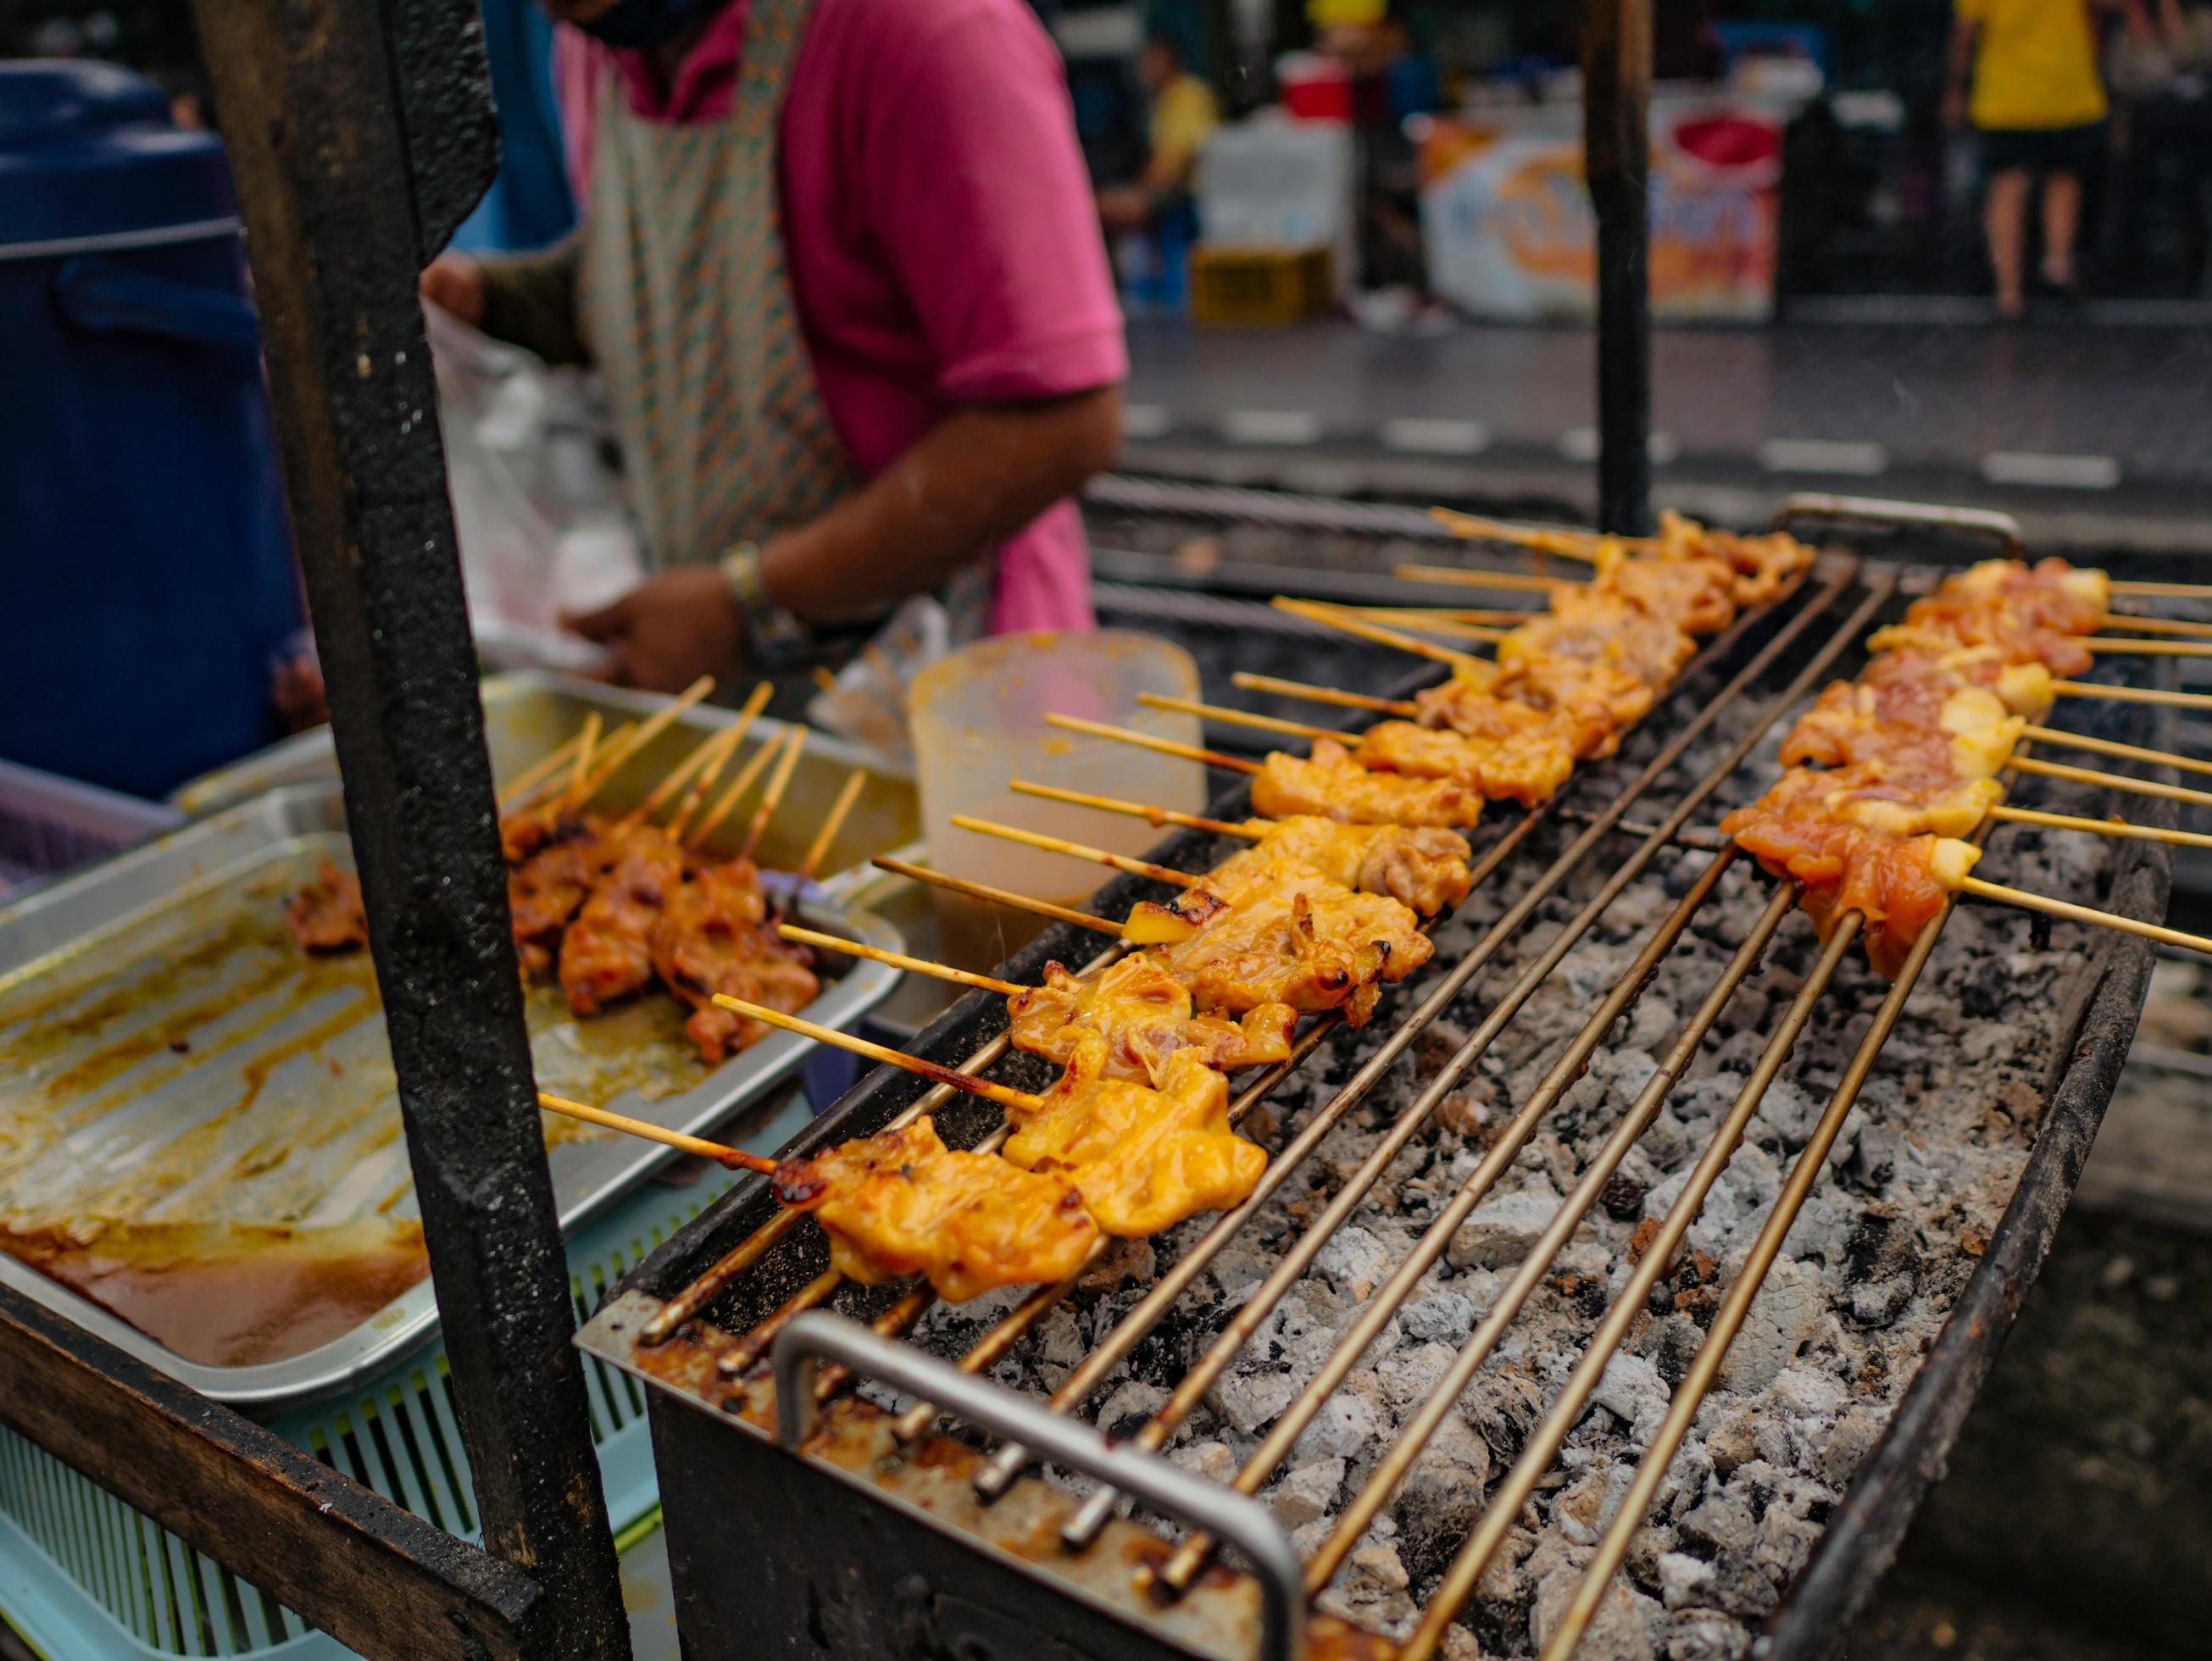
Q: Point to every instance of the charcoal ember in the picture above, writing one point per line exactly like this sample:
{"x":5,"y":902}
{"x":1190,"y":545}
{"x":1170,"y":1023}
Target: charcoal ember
{"x":1671,"y":1343}
{"x":1622,"y":1198}
{"x":1722,"y":1523}
{"x":1878,"y":1303}
{"x":1443,"y":1495}
{"x":1306,"y":1492}
{"x":1502,"y":1230}
{"x":1683,"y":1581}
{"x":1252,"y":1401}
{"x":1210,"y":1459}
{"x":1697,"y":1634}
{"x":1620,"y":1630}
{"x":1356,"y":1263}
{"x":1631,"y":1389}
{"x":1346,"y":1426}
{"x":1838,"y":1453}
{"x":1444,"y":1318}
{"x":1777,"y":1324}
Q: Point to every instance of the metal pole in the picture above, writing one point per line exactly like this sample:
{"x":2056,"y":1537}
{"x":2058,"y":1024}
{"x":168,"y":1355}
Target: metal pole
{"x":359,"y":135}
{"x":1616,"y":142}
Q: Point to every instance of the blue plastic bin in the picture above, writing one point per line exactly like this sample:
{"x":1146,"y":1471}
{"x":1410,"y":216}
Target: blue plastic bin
{"x":146,"y":576}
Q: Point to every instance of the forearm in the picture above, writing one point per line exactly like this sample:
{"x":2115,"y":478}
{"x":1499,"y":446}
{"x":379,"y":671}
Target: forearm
{"x":530,"y":301}
{"x":1961,"y":68}
{"x":978,"y":477}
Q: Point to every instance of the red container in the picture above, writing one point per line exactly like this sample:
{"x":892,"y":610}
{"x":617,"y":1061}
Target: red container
{"x":1315,"y":89}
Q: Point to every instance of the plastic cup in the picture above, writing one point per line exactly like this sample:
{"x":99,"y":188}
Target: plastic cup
{"x":978,"y":718}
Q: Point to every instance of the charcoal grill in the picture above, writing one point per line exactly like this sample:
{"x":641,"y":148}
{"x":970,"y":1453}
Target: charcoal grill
{"x":806,"y":1519}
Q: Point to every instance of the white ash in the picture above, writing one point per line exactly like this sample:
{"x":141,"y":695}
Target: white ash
{"x":1914,"y":1188}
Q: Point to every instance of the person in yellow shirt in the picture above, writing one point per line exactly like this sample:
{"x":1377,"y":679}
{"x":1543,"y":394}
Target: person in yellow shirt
{"x":1184,"y":114}
{"x":2025,"y":73}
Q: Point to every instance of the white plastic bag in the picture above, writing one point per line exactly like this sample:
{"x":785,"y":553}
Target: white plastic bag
{"x":538,"y":513}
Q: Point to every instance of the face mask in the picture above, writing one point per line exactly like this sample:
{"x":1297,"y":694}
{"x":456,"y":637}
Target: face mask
{"x":641,"y":24}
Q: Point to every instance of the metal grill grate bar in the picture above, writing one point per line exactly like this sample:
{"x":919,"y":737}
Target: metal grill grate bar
{"x":1000,"y":1471}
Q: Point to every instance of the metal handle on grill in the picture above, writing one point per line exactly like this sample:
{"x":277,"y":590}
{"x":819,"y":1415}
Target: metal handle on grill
{"x":1243,"y":1523}
{"x":1903,"y":515}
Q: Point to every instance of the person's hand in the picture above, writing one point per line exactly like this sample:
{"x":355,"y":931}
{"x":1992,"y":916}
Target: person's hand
{"x":669,"y":630}
{"x":455,"y":283}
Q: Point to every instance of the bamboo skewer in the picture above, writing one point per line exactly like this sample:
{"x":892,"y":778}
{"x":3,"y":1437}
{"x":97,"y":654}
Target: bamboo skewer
{"x":678,"y":777}
{"x":2169,"y":649}
{"x":834,"y":821}
{"x":1297,"y":729}
{"x":2169,"y":590}
{"x":1076,"y":850}
{"x":1099,"y":729}
{"x":2088,"y":689}
{"x":2109,"y":747}
{"x":1250,"y":829}
{"x":772,"y":797}
{"x":2059,"y":770}
{"x":1471,"y":577}
{"x":2115,"y":827}
{"x":650,"y":728}
{"x":978,"y":891}
{"x":2158,"y":625}
{"x":1003,"y":1095}
{"x":727,"y":747}
{"x":755,"y":765}
{"x":537,"y":772}
{"x":943,"y":971}
{"x":1478,"y":628}
{"x":1336,"y":617}
{"x":587,"y":743}
{"x":1299,"y":689}
{"x":2088,"y":914}
{"x":1563,"y":540}
{"x":735,"y":1159}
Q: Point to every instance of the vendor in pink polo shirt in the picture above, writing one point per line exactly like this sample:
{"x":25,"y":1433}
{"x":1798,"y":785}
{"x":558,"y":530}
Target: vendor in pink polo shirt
{"x":838,"y":267}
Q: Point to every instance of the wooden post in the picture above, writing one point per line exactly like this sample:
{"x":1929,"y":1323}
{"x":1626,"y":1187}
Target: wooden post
{"x":1616,"y":143}
{"x":360,"y":132}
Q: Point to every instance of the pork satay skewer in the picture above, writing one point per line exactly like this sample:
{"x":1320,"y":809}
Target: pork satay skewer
{"x":834,"y":821}
{"x":1250,"y":829}
{"x":1247,"y":681}
{"x":1479,"y":629}
{"x":1050,"y":844}
{"x":1003,"y":1095}
{"x":2059,"y":770}
{"x":676,"y":777}
{"x":2123,"y":828}
{"x":735,"y":1159}
{"x":943,"y":971}
{"x":772,"y":796}
{"x":2110,"y":747}
{"x":2087,"y":689}
{"x":1468,"y":576}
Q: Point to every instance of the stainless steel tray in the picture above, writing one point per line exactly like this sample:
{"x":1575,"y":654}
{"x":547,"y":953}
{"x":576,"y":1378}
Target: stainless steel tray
{"x":527,"y":713}
{"x":168,"y":1056}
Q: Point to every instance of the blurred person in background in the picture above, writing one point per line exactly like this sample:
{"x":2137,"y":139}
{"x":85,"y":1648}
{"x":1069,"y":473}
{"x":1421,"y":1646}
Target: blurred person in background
{"x":837,"y":266}
{"x":2025,"y":74}
{"x":1183,"y":114}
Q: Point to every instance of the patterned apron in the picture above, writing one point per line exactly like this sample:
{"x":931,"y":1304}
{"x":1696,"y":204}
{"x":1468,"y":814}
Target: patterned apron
{"x":685,"y":299}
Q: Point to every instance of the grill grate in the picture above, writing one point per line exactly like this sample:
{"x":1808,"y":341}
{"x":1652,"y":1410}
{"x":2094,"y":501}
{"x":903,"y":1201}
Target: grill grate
{"x":1071,"y":1541}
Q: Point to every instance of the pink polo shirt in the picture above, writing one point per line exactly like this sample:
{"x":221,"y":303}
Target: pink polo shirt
{"x":938,"y":224}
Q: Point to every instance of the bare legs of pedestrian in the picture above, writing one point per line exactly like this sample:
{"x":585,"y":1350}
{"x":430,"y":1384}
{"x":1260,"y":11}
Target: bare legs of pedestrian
{"x":2004,"y":217}
{"x":2062,"y":216}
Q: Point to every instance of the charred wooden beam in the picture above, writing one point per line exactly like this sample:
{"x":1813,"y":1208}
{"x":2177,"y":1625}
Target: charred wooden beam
{"x":1617,"y":146}
{"x":359,"y":135}
{"x":374,"y":1576}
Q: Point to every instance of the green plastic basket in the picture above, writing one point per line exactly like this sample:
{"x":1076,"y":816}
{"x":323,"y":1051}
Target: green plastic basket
{"x":83,"y":1575}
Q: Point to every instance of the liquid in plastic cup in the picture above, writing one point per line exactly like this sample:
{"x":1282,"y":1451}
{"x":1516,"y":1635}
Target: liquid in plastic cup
{"x":978,"y":718}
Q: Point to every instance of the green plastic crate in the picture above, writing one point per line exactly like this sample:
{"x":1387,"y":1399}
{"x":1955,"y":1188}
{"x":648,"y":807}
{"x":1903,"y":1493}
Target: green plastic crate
{"x":83,"y":1575}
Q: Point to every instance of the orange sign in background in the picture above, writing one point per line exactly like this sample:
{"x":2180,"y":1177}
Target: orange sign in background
{"x":1507,"y":220}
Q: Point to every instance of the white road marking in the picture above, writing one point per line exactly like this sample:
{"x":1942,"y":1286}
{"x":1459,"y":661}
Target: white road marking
{"x":1142,"y":421}
{"x":1823,"y":455}
{"x":2071,"y":472}
{"x":1580,"y":444}
{"x":1430,"y":435}
{"x":1271,"y":427}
